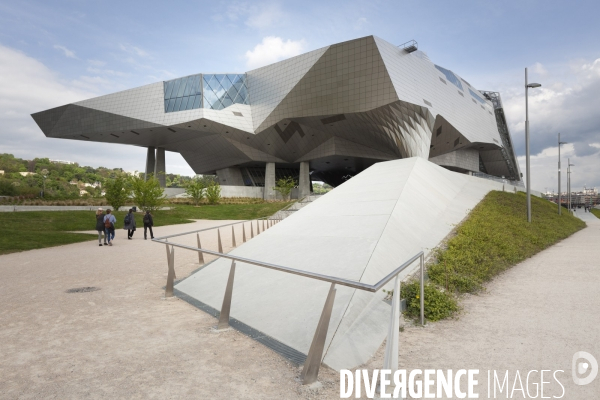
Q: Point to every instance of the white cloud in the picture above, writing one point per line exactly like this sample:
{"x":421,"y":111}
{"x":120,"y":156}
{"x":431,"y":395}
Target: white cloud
{"x":544,"y":168}
{"x":360,"y":23}
{"x":265,"y":16}
{"x":273,"y":49}
{"x":257,"y":16}
{"x":97,"y":63}
{"x":539,"y":69}
{"x":109,"y":72}
{"x":68,"y":53}
{"x":28,"y":86}
{"x":133,"y":50}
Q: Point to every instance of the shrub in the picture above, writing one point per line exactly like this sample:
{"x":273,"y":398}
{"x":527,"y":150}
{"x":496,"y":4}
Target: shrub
{"x":284,"y":186}
{"x":213,"y":193}
{"x":439,"y":304}
{"x":146,"y":194}
{"x":116,"y":193}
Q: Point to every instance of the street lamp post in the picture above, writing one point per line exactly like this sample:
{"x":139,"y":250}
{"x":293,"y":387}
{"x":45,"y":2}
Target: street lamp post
{"x":569,"y":181}
{"x":527,"y":87}
{"x":559,"y":197}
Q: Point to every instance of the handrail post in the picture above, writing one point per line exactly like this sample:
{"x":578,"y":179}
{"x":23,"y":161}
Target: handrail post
{"x":171,"y":271}
{"x":263,"y":225}
{"x":310,"y":372}
{"x":390,"y":360}
{"x":233,"y":237}
{"x":200,"y":254}
{"x":226,"y":307}
{"x":422,"y":297}
{"x":219,"y":238}
{"x":251,"y":230}
{"x":257,"y":228}
{"x":243,"y":232}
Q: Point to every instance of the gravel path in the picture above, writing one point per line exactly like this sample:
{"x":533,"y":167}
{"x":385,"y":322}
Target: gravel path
{"x":126,"y":341}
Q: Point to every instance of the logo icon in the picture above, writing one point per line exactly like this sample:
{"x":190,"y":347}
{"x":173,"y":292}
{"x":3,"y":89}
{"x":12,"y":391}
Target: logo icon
{"x":582,"y":363}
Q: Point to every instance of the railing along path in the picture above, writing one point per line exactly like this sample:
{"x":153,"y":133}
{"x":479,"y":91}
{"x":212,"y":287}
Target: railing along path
{"x":315,"y":354}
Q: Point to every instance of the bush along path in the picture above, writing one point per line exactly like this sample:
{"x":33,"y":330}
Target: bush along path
{"x":494,"y":237}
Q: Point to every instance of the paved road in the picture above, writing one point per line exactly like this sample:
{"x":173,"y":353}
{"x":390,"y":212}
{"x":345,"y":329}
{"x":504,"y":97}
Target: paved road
{"x":124,"y":341}
{"x":534,"y":316}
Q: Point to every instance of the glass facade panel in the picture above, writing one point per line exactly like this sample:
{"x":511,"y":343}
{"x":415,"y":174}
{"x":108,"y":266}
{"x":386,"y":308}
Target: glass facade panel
{"x":183,"y":93}
{"x":214,"y":92}
{"x":221,"y":90}
{"x":482,"y":101}
{"x":171,"y":105}
{"x":450,"y":76}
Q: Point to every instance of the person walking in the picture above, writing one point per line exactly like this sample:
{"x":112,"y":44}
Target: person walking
{"x":100,"y":226}
{"x":129,"y":223}
{"x":148,"y":224}
{"x":109,"y":226}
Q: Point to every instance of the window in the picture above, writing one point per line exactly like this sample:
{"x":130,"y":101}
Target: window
{"x":183,"y":93}
{"x":438,"y":132}
{"x":443,"y":81}
{"x":218,"y":92}
{"x":482,"y":101}
{"x":428,"y":103}
{"x":450,"y":76}
{"x":223,"y":90}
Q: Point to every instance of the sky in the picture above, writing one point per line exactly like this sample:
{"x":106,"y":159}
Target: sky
{"x":59,"y":52}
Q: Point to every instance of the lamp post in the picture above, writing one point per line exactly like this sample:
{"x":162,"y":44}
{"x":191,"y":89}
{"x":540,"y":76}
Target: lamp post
{"x":559,"y":197}
{"x":527,"y":87}
{"x":569,"y":181}
{"x":44,"y":176}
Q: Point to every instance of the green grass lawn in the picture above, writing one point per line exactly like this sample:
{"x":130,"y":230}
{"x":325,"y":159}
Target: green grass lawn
{"x":596,"y":212}
{"x":38,"y":229}
{"x":494,"y":237}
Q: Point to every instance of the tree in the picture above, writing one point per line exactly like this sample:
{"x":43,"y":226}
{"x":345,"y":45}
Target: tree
{"x":116,"y":192}
{"x":146,"y":194}
{"x":195,"y":189}
{"x":284,"y":186}
{"x":213,"y":192}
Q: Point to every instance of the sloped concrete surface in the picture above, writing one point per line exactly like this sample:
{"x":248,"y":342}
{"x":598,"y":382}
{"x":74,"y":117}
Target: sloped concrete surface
{"x":361,"y":230}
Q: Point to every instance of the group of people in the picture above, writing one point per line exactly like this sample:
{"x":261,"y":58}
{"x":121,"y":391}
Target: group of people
{"x":105,"y":224}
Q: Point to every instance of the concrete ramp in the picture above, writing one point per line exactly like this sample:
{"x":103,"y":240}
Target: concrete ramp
{"x":361,"y":230}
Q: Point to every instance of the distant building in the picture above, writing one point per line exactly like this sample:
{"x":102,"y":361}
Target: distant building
{"x":27,"y":173}
{"x":62,"y":162}
{"x":83,"y":192}
{"x":1,"y":172}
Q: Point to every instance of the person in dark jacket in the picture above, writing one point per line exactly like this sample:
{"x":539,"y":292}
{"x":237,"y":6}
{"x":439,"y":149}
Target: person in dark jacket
{"x":100,"y":226}
{"x":148,"y":224}
{"x":130,"y":223}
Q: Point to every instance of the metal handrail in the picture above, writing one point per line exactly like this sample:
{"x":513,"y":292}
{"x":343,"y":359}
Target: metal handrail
{"x":313,"y":360}
{"x":210,"y":229}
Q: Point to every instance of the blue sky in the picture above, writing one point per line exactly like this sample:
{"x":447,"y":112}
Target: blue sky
{"x":53,"y":53}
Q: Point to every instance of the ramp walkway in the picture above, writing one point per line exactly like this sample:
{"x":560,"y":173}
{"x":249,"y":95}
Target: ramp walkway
{"x":360,"y":231}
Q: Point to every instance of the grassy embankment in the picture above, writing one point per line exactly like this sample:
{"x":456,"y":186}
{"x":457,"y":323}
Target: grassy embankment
{"x":596,"y":212}
{"x":38,"y":229}
{"x":494,"y":237}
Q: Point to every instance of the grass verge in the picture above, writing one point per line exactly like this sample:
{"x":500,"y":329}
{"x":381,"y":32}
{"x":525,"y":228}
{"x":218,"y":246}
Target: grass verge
{"x":596,"y":212}
{"x":39,"y":229}
{"x":494,"y":237}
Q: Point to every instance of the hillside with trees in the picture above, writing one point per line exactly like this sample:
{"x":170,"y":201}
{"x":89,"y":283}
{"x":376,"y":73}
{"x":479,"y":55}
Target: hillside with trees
{"x":62,"y":180}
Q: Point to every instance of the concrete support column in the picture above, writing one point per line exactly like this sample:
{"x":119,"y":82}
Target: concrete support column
{"x":270,"y":181}
{"x":304,"y":180}
{"x":150,"y":161}
{"x":160,"y":168}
